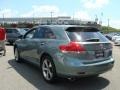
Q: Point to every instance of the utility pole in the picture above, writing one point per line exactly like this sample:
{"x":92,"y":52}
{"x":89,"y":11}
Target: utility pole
{"x":96,"y":19}
{"x":51,"y":13}
{"x":100,"y":21}
{"x":73,"y":18}
{"x":108,"y":24}
{"x":34,"y":17}
{"x":3,"y":18}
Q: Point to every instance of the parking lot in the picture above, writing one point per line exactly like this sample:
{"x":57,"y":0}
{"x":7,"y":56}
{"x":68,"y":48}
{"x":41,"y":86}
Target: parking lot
{"x":14,"y":76}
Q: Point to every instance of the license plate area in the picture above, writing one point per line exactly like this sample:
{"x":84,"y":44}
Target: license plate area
{"x":99,"y":54}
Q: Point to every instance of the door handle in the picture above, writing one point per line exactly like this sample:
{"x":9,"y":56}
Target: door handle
{"x":42,"y":43}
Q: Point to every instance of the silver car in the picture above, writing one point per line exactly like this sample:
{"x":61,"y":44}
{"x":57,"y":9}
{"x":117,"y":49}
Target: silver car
{"x":117,"y":41}
{"x":65,"y":51}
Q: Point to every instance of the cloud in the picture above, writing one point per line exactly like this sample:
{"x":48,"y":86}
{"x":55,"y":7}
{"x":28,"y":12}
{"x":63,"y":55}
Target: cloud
{"x":36,"y":11}
{"x":45,"y":8}
{"x":44,"y":11}
{"x":83,"y":15}
{"x":8,"y":13}
{"x":95,"y":4}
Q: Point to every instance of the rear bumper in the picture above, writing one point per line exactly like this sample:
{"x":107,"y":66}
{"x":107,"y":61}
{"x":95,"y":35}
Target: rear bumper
{"x":86,"y":69}
{"x":11,"y":40}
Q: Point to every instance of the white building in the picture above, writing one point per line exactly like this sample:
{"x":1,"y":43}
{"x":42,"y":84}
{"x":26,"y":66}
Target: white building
{"x":47,"y":20}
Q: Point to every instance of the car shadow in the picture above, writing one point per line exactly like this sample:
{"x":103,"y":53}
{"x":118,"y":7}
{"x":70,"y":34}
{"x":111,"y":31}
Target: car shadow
{"x":32,"y":74}
{"x":1,"y":54}
{"x":7,"y":44}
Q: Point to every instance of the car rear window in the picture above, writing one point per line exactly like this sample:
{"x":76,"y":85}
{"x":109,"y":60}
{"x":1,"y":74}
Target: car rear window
{"x":9,"y":30}
{"x":85,"y":34}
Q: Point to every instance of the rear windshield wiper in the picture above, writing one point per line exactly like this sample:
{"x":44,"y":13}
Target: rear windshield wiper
{"x":93,"y":39}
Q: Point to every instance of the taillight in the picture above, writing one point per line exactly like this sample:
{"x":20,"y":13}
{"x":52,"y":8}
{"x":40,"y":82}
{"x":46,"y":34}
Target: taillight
{"x":72,"y":47}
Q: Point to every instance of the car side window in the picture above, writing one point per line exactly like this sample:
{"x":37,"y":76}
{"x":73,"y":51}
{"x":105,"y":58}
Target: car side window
{"x":45,"y":33}
{"x":39,"y":33}
{"x":8,"y":30}
{"x":30,"y":34}
{"x":48,"y":34}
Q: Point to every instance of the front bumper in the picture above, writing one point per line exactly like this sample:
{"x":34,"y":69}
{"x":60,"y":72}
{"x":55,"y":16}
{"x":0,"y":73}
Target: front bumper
{"x":81,"y":70}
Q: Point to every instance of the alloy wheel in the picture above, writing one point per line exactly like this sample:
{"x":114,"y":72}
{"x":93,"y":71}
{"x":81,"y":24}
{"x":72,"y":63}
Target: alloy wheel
{"x":47,"y":69}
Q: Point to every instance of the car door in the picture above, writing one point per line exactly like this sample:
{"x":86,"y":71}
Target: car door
{"x":43,"y":37}
{"x":27,"y":45}
{"x":33,"y":44}
{"x":38,"y":44}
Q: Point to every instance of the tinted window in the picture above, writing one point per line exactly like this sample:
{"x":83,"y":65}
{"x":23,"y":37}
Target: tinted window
{"x":49,"y":34}
{"x":9,"y":30}
{"x":39,"y":33}
{"x":85,"y":35}
{"x":12,"y":30}
{"x":44,"y":33}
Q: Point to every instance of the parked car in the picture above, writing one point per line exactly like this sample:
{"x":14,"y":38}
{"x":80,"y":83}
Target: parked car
{"x":111,"y":35}
{"x":26,"y":29}
{"x":65,"y":51}
{"x":117,"y":41}
{"x":12,"y":34}
{"x":115,"y":37}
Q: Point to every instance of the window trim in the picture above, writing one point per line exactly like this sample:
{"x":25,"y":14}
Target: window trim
{"x":24,"y":37}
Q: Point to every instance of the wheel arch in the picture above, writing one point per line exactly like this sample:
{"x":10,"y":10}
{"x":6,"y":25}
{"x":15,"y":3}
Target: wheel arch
{"x":47,"y":54}
{"x":52,"y":62}
{"x":43,"y":55}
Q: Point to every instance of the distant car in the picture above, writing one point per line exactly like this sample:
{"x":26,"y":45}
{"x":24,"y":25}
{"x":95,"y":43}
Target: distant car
{"x":26,"y":29}
{"x":115,"y":37}
{"x":68,"y":51}
{"x":110,"y":36}
{"x":12,"y":34}
{"x":117,"y":41}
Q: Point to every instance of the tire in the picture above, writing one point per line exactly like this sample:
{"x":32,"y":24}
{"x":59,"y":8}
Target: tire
{"x":11,"y":43}
{"x":48,"y":70}
{"x":17,"y":55}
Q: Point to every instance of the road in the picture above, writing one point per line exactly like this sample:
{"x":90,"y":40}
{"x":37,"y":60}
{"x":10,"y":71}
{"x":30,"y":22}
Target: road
{"x":14,"y":76}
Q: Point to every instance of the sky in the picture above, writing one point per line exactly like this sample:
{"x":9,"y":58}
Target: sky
{"x":78,"y":9}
